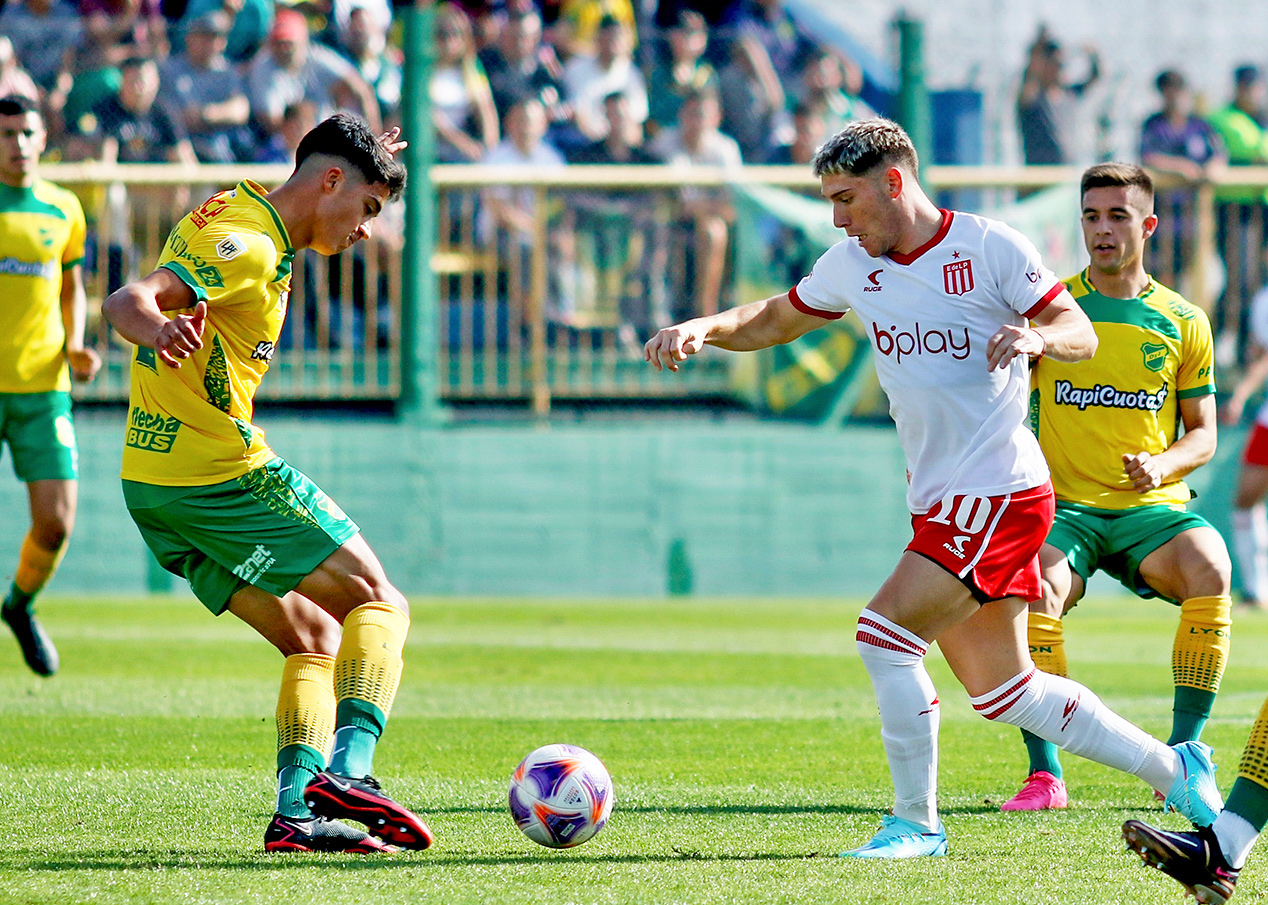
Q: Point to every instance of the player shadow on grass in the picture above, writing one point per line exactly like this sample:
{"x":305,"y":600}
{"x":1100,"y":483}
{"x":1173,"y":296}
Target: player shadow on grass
{"x":728,"y":809}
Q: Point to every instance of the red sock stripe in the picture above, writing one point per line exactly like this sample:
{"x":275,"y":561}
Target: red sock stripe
{"x":1009,"y":695}
{"x":886,"y":638}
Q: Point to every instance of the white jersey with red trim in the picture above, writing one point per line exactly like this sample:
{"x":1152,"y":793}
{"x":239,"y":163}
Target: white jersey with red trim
{"x":929,"y":315}
{"x":1259,"y":330}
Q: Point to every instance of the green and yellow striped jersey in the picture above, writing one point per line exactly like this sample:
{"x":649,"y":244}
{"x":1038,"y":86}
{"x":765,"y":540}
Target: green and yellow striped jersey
{"x":191,"y":425}
{"x":41,"y":236}
{"x":1154,"y":350}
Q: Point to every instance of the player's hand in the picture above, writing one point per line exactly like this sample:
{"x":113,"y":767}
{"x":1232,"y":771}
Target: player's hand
{"x":672,"y":345}
{"x":84,"y":364}
{"x":1143,"y":470}
{"x":392,"y":142}
{"x":181,"y":336}
{"x":1011,"y":341}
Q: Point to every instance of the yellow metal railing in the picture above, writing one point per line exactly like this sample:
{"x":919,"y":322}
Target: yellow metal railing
{"x":557,"y":305}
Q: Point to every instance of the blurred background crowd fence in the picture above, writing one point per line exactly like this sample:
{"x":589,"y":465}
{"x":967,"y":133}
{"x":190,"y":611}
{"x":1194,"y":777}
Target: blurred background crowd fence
{"x":555,"y":304}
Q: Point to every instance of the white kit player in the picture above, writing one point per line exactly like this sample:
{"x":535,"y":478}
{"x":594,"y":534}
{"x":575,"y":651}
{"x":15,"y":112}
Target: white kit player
{"x":1250,"y":520}
{"x":946,"y":298}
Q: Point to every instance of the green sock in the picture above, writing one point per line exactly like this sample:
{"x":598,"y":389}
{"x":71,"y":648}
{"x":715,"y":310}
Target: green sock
{"x":18,"y":599}
{"x":1189,"y":713}
{"x":1249,"y":800}
{"x":296,"y":767}
{"x":1043,"y":754}
{"x":358,"y":725}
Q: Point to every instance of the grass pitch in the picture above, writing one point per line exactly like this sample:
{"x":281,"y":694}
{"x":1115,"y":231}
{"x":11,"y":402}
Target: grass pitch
{"x":742,"y":738}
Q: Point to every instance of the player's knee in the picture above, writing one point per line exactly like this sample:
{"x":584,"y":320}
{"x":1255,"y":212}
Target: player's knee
{"x":52,"y":533}
{"x":1208,"y":576}
{"x":316,"y":636}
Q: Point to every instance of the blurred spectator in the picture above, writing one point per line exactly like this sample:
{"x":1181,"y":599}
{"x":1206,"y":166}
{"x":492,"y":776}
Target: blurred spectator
{"x":589,"y":79}
{"x":13,"y":78}
{"x":206,"y":95}
{"x":828,"y":80}
{"x":297,"y":121}
{"x":752,"y":98}
{"x":119,"y":29}
{"x":43,"y":32}
{"x":810,"y":130}
{"x":292,"y":68}
{"x":462,"y":101}
{"x":78,"y":100}
{"x":767,"y":25}
{"x":620,"y":144}
{"x":132,"y":127}
{"x":378,"y":13}
{"x":513,"y":209}
{"x":715,"y":12}
{"x":1175,"y":140}
{"x":1045,"y":104}
{"x":696,"y":141}
{"x":509,"y":215}
{"x":680,"y":71}
{"x":520,"y":65}
{"x":364,"y":41}
{"x":1240,"y":126}
{"x":580,"y":21}
{"x":251,"y":20}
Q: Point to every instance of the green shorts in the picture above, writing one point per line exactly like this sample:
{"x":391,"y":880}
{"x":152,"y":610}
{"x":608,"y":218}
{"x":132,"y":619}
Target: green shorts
{"x":40,"y":434}
{"x":268,"y":528}
{"x":1117,"y":540}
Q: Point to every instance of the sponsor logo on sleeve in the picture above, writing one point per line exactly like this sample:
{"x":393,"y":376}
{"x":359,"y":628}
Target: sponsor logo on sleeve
{"x":209,"y":276}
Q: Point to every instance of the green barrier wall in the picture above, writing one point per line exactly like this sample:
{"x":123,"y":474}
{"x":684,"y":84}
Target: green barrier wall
{"x":617,"y":508}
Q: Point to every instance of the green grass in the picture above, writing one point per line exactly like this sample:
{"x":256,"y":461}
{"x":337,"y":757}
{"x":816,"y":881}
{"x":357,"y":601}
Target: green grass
{"x":742,"y":739}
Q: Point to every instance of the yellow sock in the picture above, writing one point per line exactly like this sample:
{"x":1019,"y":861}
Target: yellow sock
{"x":1254,"y":763}
{"x":1047,"y":643}
{"x":35,"y":566}
{"x":369,"y":664}
{"x":1202,"y":642}
{"x":306,"y":702}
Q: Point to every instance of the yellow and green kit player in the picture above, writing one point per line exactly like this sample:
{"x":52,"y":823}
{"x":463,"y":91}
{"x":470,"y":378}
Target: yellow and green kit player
{"x":41,"y":332}
{"x":253,"y":536}
{"x":1109,"y":430}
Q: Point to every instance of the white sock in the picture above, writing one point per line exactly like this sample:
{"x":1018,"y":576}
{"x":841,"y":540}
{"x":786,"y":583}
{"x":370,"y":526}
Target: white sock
{"x":1236,"y":837}
{"x":1250,"y":543}
{"x":908,"y":703}
{"x":1073,"y":718}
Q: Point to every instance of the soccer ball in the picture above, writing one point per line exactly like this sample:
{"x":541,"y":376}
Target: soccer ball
{"x":561,"y":795}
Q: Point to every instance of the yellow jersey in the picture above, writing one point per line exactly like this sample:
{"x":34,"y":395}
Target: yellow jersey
{"x":1154,"y":350}
{"x":191,"y":426}
{"x":41,"y":236}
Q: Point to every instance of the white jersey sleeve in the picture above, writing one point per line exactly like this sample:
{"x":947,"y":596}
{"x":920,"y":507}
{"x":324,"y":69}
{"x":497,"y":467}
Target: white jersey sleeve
{"x":1024,"y":282}
{"x":820,"y":292}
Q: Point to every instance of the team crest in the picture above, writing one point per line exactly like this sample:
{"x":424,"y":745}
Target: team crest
{"x":957,"y":277}
{"x":1155,"y":355}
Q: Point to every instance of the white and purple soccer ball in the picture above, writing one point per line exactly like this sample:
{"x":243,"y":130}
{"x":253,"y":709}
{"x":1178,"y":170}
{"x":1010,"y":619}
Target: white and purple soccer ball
{"x":561,"y":795}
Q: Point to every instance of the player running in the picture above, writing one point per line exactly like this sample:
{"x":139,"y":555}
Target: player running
{"x":945,"y":298}
{"x":41,"y":332}
{"x":1109,"y":428}
{"x":253,"y":536}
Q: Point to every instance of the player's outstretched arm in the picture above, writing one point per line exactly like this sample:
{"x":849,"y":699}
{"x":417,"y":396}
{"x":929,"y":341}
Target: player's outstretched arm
{"x":136,"y":311}
{"x":1061,"y":331}
{"x":1252,"y":380}
{"x":758,"y":325}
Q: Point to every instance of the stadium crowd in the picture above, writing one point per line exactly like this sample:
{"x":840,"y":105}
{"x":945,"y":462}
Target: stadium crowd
{"x":235,"y":81}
